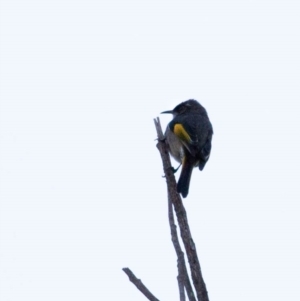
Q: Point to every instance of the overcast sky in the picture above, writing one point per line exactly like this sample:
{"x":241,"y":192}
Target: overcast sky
{"x":82,"y":193}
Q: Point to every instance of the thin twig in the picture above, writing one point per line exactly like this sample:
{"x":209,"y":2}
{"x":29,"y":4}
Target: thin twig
{"x":180,"y":255}
{"x":186,"y":236}
{"x":139,"y":284}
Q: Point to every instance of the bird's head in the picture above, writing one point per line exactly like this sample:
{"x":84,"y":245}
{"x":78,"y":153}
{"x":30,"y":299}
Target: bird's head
{"x":188,"y":106}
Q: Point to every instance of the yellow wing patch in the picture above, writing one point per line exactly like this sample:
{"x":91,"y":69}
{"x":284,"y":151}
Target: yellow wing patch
{"x":181,"y":133}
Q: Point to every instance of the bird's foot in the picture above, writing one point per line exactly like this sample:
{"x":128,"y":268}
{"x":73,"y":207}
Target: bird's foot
{"x":174,"y":170}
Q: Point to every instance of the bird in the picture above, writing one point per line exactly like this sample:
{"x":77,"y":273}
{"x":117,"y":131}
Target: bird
{"x":189,"y":136}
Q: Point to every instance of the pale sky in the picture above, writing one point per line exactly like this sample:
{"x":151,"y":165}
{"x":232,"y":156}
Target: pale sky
{"x":81,"y":187}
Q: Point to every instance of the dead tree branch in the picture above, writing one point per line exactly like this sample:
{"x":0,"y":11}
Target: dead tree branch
{"x":174,"y":200}
{"x":139,"y":284}
{"x":183,"y":278}
{"x":186,"y":236}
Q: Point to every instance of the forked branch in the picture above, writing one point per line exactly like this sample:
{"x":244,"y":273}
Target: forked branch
{"x":174,"y":200}
{"x":185,"y":232}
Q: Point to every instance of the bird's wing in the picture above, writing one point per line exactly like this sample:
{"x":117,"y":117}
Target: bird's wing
{"x":182,"y":133}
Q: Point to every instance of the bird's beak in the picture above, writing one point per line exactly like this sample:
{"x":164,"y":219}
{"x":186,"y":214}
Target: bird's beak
{"x":167,"y":112}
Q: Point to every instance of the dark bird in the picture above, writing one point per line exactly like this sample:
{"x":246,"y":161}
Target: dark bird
{"x":189,"y":137}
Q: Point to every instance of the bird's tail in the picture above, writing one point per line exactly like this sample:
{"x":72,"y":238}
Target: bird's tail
{"x":185,"y":177}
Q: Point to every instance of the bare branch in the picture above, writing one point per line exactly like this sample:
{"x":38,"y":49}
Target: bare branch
{"x":181,"y":287}
{"x":183,"y":278}
{"x":186,"y":236}
{"x":139,"y":284}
